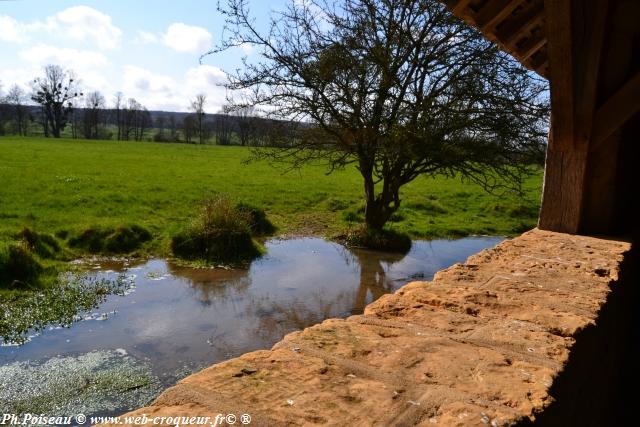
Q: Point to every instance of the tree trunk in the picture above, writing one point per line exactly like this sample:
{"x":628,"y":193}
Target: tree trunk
{"x":376,"y":215}
{"x":380,"y":207}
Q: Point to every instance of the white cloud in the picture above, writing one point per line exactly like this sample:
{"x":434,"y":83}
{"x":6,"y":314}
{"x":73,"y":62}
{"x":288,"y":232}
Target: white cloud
{"x":11,"y":30}
{"x":205,"y":77}
{"x":161,"y":92}
{"x":246,"y":48}
{"x":80,"y":23}
{"x":187,"y":38}
{"x":137,"y":79}
{"x":85,"y":23}
{"x":145,"y":37}
{"x":87,"y":65}
{"x":21,"y":76}
{"x":44,"y":54}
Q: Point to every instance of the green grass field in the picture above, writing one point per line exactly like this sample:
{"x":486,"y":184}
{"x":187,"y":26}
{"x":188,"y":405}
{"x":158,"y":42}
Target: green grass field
{"x":64,"y":187}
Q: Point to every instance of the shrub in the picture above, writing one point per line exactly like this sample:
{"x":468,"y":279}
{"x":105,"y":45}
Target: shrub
{"x":62,"y":234}
{"x":383,"y":240}
{"x":122,"y":239}
{"x":18,"y":267}
{"x":258,"y":221}
{"x":91,"y":240}
{"x":220,"y":233}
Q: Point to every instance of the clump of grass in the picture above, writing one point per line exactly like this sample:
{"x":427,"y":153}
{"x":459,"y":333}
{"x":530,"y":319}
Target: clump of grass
{"x":220,"y":233}
{"x":126,"y":239}
{"x":45,"y":245}
{"x":258,"y":221}
{"x":380,"y":240}
{"x":120,"y":240}
{"x":19,"y":269}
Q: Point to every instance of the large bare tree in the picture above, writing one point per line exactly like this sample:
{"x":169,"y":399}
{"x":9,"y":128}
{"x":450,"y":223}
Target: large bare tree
{"x":245,"y":124}
{"x":399,"y":88}
{"x":197,"y":106}
{"x":118,"y":106}
{"x":16,"y":100}
{"x":55,"y":92}
{"x":94,"y":111}
{"x":136,"y":119}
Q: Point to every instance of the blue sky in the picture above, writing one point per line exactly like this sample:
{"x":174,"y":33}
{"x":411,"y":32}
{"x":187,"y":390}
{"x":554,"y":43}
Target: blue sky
{"x":149,"y":50}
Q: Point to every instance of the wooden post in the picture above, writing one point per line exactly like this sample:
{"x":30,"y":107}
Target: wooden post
{"x":574,"y":49}
{"x":566,"y":161}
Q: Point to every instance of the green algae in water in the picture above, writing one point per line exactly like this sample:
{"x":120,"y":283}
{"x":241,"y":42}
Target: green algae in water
{"x":30,"y":312}
{"x":98,"y":382}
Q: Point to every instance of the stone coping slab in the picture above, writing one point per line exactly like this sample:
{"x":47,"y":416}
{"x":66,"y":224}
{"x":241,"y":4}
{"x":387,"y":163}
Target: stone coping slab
{"x":481,"y":344}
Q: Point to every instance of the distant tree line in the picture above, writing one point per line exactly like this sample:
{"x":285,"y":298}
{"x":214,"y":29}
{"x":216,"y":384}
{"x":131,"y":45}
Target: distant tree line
{"x":56,"y":107}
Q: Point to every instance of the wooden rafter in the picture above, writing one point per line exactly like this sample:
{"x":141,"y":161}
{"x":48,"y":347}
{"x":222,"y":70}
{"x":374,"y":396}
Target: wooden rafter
{"x":532,"y":46}
{"x":523,"y":24}
{"x":494,"y":12}
{"x":542,"y":68}
{"x":460,"y":6}
{"x":538,"y":61}
{"x":507,"y":22}
{"x":623,"y":105}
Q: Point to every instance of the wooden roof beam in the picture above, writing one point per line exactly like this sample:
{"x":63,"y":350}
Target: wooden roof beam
{"x":523,"y":24}
{"x":494,"y":12}
{"x":542,"y":68}
{"x":619,"y":108}
{"x":459,"y":6}
{"x":532,"y":46}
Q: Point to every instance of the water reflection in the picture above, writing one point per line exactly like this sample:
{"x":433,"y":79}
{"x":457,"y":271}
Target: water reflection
{"x":373,"y":276}
{"x":211,"y":285}
{"x":182,"y":318}
{"x":276,"y":318}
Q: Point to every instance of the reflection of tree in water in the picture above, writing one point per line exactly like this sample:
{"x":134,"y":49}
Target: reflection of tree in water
{"x":277,"y":318}
{"x":211,"y":285}
{"x":373,"y":275}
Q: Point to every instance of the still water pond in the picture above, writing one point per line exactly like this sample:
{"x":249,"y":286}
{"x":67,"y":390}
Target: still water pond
{"x":179,"y":319}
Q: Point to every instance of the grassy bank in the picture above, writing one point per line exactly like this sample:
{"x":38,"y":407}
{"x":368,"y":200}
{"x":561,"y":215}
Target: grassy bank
{"x":71,"y":187}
